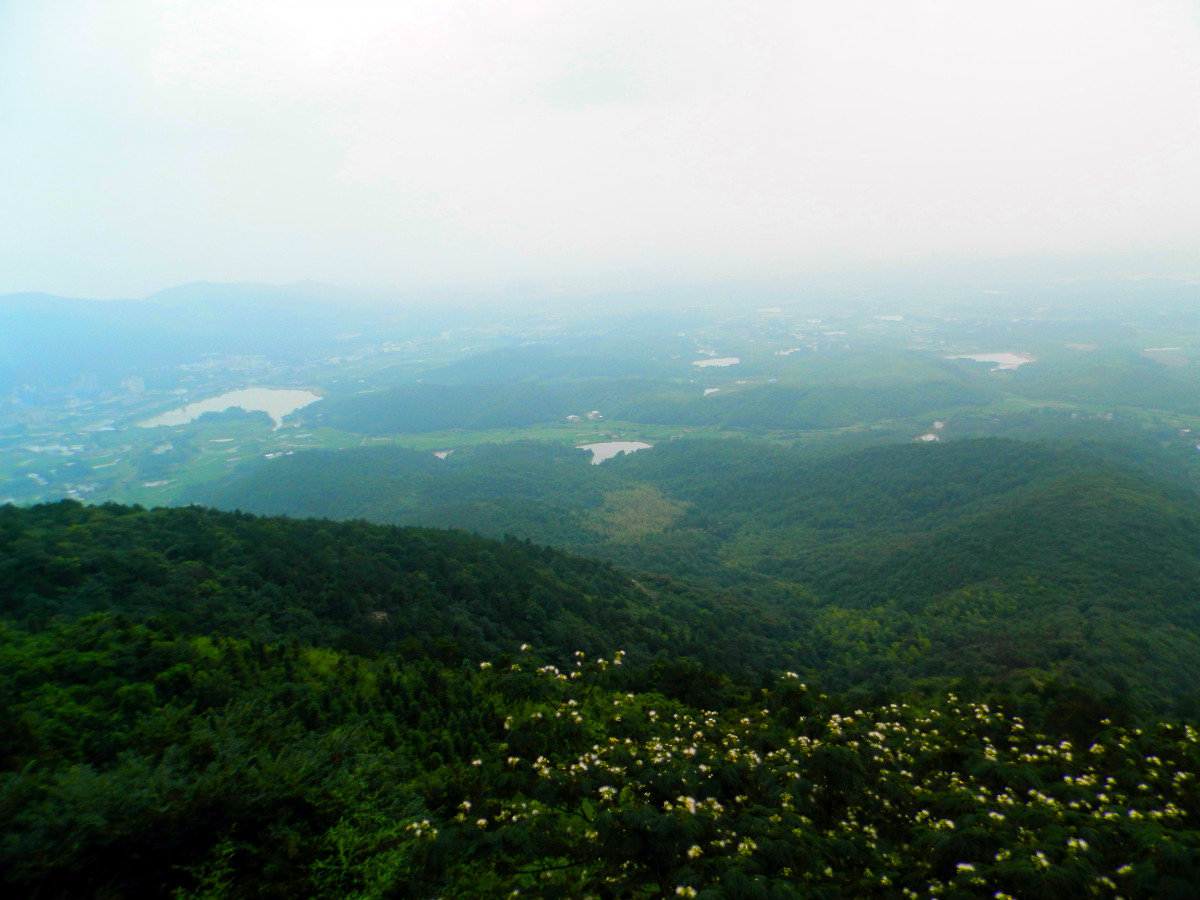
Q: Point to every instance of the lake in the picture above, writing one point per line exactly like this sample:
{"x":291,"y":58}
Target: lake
{"x":275,"y":402}
{"x":609,"y":449}
{"x":723,"y":361}
{"x":1006,"y":361}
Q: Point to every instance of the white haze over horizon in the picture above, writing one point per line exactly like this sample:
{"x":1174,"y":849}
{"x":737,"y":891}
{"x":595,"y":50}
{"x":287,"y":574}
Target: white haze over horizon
{"x":146,"y":143}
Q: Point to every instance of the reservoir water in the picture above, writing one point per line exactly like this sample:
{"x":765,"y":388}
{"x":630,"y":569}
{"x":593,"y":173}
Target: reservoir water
{"x":1006,"y":361}
{"x":275,"y":402}
{"x":609,"y":449}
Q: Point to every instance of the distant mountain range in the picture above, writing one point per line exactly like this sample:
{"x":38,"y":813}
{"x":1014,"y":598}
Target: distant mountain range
{"x":52,"y":341}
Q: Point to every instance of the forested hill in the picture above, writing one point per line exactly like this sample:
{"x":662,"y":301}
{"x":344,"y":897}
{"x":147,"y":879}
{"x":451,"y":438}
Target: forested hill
{"x":205,"y":705}
{"x":992,"y":559}
{"x":365,"y":588}
{"x":706,"y":506}
{"x":430,"y":407}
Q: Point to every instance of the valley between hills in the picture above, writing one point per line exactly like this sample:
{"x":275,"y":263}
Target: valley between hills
{"x":899,"y":603}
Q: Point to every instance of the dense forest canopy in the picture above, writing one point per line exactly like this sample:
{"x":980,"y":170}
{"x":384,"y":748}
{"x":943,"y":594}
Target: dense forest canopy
{"x":202,"y":705}
{"x":909,"y":565}
{"x":876,"y":612}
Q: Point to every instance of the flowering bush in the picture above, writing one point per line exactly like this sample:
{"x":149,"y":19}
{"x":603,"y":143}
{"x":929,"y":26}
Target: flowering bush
{"x":608,"y":794}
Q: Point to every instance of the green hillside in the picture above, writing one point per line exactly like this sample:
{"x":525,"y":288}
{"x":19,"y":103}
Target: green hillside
{"x":913,"y":564}
{"x":654,"y":381}
{"x":809,"y":406}
{"x":363,"y":587}
{"x":1113,"y":379}
{"x":204,"y":705}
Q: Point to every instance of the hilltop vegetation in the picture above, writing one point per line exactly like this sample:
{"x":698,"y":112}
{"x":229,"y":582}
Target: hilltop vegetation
{"x":788,"y":652}
{"x":911,"y":565}
{"x":171,"y":756}
{"x":363,"y":587}
{"x":209,"y":705}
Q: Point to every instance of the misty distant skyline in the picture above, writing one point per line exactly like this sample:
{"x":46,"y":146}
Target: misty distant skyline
{"x":147,"y":143}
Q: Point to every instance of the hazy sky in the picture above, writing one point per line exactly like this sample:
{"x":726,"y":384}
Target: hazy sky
{"x":145,"y":143}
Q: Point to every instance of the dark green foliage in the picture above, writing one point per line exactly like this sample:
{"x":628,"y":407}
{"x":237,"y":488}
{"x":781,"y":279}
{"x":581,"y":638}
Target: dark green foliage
{"x":210,"y":705}
{"x":640,"y":797}
{"x":911,"y":565}
{"x":362,"y":587}
{"x":145,"y":759}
